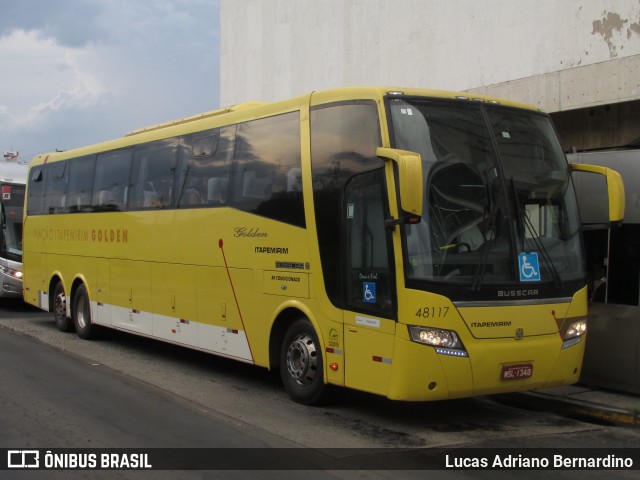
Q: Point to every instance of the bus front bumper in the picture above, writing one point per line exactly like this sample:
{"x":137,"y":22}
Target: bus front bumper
{"x":491,"y":367}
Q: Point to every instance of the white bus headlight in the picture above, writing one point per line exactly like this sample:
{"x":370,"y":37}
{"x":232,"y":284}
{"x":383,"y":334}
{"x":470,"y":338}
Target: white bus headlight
{"x":11,"y":272}
{"x":576,"y":329}
{"x":446,"y":342}
{"x":573,"y":334}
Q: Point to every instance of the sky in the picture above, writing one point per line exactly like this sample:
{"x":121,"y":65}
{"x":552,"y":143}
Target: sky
{"x":78,"y":72}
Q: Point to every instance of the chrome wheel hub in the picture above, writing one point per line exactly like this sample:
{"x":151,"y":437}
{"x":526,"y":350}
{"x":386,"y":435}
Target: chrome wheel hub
{"x":302,"y":359}
{"x":60,"y":306}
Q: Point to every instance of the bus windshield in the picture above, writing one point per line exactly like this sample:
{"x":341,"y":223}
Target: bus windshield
{"x":11,"y":209}
{"x":499,"y":205}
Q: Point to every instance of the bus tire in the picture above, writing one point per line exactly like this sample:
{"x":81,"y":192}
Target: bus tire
{"x":64,"y":323}
{"x":301,"y":363}
{"x":81,"y":313}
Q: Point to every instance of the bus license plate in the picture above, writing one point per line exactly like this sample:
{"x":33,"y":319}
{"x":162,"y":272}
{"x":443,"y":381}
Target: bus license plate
{"x":517,"y":372}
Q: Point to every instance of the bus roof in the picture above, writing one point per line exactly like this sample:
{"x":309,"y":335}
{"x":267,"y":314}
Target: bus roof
{"x":201,"y":116}
{"x":256,"y":109}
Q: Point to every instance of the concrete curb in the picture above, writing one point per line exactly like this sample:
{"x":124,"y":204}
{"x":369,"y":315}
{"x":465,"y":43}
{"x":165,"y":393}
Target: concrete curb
{"x":574,"y":407}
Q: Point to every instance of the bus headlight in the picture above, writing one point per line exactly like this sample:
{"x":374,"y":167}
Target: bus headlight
{"x":573,"y":333}
{"x":576,"y":329}
{"x":446,"y":342}
{"x":11,"y":272}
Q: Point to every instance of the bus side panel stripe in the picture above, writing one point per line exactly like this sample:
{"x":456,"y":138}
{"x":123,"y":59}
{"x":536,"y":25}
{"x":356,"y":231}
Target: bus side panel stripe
{"x":214,"y":339}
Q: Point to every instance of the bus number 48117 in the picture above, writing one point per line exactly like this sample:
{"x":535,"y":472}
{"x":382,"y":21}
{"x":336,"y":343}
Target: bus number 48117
{"x":432,"y":312}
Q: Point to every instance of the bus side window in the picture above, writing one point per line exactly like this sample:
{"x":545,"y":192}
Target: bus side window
{"x":56,"y":188}
{"x":267,"y":174}
{"x":205,"y":166}
{"x":153,"y":176}
{"x":111,"y":178}
{"x":36,"y":187}
{"x":80,"y":184}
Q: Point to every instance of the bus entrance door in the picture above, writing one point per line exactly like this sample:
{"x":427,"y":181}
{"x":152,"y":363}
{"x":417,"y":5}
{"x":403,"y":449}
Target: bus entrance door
{"x":370,"y":292}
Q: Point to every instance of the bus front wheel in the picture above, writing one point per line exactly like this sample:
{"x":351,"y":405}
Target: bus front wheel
{"x":81,"y":313}
{"x":301,"y":363}
{"x":64,"y":323}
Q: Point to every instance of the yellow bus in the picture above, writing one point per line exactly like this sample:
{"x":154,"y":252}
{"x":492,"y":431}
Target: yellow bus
{"x":415,"y":244}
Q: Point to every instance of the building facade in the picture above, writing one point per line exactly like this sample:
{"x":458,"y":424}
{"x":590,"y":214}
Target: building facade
{"x":577,"y":59}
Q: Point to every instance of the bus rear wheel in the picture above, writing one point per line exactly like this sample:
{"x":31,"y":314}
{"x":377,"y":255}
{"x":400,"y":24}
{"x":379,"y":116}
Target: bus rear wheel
{"x":64,"y":323}
{"x":301,"y":363}
{"x":81,"y":314}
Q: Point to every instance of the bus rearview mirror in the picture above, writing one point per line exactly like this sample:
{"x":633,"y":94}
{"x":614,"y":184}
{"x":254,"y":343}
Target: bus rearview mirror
{"x":410,"y":181}
{"x":614,"y":189}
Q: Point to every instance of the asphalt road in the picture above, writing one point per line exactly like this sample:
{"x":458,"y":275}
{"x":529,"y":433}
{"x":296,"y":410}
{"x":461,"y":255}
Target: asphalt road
{"x":62,"y":400}
{"x":124,"y":391}
{"x":58,"y":400}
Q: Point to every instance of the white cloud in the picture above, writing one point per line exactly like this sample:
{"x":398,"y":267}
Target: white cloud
{"x":42,"y":77}
{"x":94,"y":71}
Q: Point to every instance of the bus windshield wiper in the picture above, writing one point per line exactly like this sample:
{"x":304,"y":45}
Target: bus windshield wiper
{"x":482,"y":265}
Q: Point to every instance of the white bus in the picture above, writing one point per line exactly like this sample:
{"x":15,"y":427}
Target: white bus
{"x":13,"y":177}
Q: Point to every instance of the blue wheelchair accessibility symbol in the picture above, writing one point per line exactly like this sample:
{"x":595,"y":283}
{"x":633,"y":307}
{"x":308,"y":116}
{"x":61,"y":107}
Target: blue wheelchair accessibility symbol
{"x":529,"y":267}
{"x":369,"y":292}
